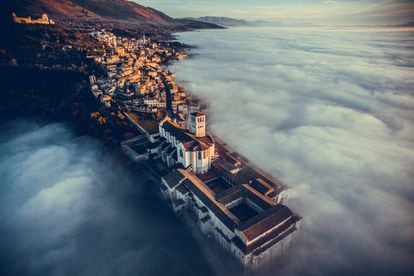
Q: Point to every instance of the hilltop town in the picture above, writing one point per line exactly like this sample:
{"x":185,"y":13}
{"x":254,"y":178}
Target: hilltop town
{"x":162,"y":127}
{"x":236,"y":202}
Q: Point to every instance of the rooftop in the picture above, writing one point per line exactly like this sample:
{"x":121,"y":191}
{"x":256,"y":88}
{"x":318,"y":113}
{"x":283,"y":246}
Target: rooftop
{"x":230,"y":195}
{"x":148,"y":124}
{"x":172,"y":179}
{"x":190,"y":142}
{"x":206,"y":195}
{"x":264,"y":221}
{"x":198,"y":114}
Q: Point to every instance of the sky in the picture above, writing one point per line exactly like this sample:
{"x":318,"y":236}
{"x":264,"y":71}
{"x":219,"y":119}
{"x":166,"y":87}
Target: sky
{"x":329,"y":111}
{"x":297,"y":11}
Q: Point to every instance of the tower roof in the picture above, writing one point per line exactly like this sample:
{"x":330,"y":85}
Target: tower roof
{"x":198,"y":114}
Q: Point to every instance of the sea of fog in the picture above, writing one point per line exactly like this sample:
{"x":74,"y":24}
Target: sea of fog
{"x":69,"y":207}
{"x":330,"y":112}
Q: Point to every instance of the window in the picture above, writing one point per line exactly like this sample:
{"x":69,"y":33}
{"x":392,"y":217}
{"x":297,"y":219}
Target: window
{"x":199,"y":155}
{"x":204,"y":154}
{"x":181,"y":153}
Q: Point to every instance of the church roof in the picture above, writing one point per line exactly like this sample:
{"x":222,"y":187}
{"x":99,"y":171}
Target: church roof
{"x":179,"y":133}
{"x":190,"y":141}
{"x":197,"y":145}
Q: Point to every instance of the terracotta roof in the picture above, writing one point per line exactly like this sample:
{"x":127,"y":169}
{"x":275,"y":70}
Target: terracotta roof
{"x":260,"y":200}
{"x":264,"y":221}
{"x":207,"y":197}
{"x":269,"y":240}
{"x":274,"y":238}
{"x":261,"y":186}
{"x":230,"y":195}
{"x":196,"y":145}
{"x":190,"y":142}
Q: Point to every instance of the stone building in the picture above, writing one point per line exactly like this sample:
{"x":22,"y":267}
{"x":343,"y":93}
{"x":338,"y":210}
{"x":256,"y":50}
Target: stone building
{"x":192,"y":148}
{"x":44,"y":19}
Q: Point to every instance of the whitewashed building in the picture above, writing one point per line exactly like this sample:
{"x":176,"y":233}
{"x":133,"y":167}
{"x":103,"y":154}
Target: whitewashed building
{"x":245,"y":222}
{"x":194,"y":149}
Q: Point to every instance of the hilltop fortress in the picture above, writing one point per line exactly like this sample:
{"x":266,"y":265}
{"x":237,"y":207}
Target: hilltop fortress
{"x":44,"y":19}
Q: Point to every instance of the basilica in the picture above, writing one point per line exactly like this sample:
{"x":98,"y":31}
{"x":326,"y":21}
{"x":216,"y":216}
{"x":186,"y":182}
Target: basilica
{"x":192,"y":148}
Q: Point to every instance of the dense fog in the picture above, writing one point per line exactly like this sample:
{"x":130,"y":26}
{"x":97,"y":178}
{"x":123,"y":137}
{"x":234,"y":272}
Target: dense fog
{"x":68,"y":207}
{"x":330,"y":112}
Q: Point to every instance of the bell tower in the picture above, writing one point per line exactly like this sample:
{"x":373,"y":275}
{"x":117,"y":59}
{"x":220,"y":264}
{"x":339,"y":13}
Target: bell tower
{"x":198,"y":124}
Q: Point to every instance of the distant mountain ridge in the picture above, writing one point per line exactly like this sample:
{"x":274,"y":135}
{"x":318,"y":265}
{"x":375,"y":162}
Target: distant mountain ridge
{"x":219,"y":21}
{"x":231,"y":22}
{"x":223,"y":21}
{"x":408,"y":24}
{"x":117,"y":11}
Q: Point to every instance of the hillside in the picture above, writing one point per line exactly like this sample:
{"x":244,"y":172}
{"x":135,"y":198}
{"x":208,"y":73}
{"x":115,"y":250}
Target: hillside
{"x":126,"y":13}
{"x":223,"y":21}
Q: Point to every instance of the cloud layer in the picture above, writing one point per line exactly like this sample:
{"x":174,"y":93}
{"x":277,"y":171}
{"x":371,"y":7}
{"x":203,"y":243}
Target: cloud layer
{"x":331,"y":113}
{"x":68,"y":207}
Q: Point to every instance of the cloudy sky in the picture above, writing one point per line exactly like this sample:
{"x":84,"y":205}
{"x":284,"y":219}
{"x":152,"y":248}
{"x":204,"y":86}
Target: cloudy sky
{"x":313,"y":11}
